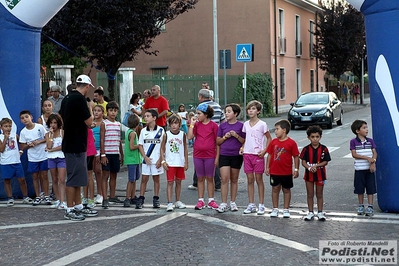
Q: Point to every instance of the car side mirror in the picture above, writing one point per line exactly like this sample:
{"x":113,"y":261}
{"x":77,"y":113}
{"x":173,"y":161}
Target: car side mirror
{"x":334,"y":102}
{"x":292,"y":104}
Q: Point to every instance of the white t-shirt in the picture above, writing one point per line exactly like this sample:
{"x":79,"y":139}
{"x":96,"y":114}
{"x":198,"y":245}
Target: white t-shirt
{"x":174,"y":150}
{"x":147,"y":138}
{"x":10,"y":155}
{"x":255,"y":140}
{"x":37,"y":153}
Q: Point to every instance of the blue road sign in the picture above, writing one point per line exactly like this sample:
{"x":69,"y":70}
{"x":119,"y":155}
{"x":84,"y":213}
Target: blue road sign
{"x":244,"y":52}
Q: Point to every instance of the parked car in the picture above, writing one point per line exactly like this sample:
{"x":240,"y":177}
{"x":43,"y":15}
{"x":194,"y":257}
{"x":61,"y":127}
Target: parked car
{"x":316,"y":108}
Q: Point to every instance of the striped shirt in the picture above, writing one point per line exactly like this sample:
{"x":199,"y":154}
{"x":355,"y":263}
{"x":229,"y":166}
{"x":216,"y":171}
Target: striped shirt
{"x":218,"y":115}
{"x":112,"y":137}
{"x":363,"y":148}
{"x":314,"y":156}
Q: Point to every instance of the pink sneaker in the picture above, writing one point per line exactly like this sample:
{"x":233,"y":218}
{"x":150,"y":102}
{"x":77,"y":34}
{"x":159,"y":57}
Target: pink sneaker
{"x":200,"y":205}
{"x":212,"y":205}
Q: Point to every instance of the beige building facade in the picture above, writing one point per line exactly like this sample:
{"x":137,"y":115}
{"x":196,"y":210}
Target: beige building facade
{"x":279,"y":30}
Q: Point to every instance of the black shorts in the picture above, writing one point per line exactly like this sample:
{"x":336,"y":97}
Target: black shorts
{"x":76,"y":166}
{"x":364,"y":179}
{"x":90,"y":160}
{"x":234,"y":162}
{"x":114,"y":163}
{"x":285,"y":181}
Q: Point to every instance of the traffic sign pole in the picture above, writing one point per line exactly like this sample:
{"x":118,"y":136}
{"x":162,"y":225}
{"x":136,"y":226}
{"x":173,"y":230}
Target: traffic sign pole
{"x":245,"y":91}
{"x":225,"y":83}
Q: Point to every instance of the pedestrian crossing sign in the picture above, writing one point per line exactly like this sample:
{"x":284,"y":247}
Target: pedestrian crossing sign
{"x":244,"y":52}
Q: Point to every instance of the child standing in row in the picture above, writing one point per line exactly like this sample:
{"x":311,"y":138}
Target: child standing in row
{"x":364,"y":152}
{"x":150,"y":149}
{"x":206,"y":153}
{"x":133,"y":159}
{"x":315,"y":157}
{"x":98,"y":113}
{"x":174,"y":146}
{"x":279,"y":166}
{"x":230,"y":139}
{"x":47,"y":109}
{"x":11,"y":166}
{"x":33,"y":139}
{"x":111,"y":153}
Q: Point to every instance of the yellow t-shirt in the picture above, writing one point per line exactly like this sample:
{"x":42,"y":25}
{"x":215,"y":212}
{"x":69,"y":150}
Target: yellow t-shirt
{"x":104,"y":104}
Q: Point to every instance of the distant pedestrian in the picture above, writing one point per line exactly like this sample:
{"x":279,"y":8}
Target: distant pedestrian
{"x":315,"y":158}
{"x":99,"y":99}
{"x":158,"y":103}
{"x":47,"y":109}
{"x":206,"y":153}
{"x":364,"y":152}
{"x":256,"y":143}
{"x":184,"y":116}
{"x":56,"y":98}
{"x":282,"y":151}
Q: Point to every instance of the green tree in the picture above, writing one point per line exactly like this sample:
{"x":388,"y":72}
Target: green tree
{"x":109,"y":33}
{"x":340,"y":37}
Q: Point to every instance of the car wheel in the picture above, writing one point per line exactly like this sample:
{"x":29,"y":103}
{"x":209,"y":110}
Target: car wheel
{"x":341,"y":119}
{"x":329,"y":125}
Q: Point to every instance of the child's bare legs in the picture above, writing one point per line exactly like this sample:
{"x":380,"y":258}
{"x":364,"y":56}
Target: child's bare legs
{"x":61,"y":183}
{"x":112,"y":185}
{"x":36,"y":183}
{"x":210,"y":186}
{"x":251,"y":188}
{"x":225,"y":176}
{"x":129,"y":188}
{"x":157,"y":184}
{"x":7,"y":187}
{"x":54,"y":180}
{"x":178,"y":189}
{"x":22,"y":185}
{"x":370,"y":199}
{"x":44,"y":181}
{"x":89,"y":189}
{"x":275,"y":195}
{"x":360,"y":197}
{"x":310,"y":195}
{"x":104,"y":184}
{"x":261,"y":187}
{"x":169,"y":191}
{"x":287,"y":197}
{"x":133,"y":190}
{"x":98,"y":173}
{"x":234,"y":173}
{"x":201,"y":187}
{"x":143,"y":184}
{"x":319,"y":196}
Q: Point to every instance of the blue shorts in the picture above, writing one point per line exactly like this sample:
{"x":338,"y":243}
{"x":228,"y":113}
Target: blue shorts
{"x":364,"y":179}
{"x":35,"y":167}
{"x":56,"y":163}
{"x":114,"y":163}
{"x":9,"y":171}
{"x":133,"y":172}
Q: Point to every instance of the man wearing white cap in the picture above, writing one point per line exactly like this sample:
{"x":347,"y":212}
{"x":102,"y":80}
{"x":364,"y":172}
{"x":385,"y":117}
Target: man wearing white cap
{"x":77,"y":118}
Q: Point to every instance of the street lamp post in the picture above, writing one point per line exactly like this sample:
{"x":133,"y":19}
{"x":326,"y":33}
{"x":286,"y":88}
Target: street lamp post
{"x":215,"y":52}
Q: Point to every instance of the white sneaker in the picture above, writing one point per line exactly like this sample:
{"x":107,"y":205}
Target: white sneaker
{"x":191,"y":187}
{"x":251,"y":208}
{"x":62,"y":206}
{"x":233,"y":206}
{"x":169,"y":208}
{"x":261,"y":209}
{"x":99,"y":199}
{"x":222,"y":208}
{"x":55,"y":204}
{"x":180,"y":205}
{"x":274,"y":213}
{"x":321,"y":216}
{"x":309,"y":217}
{"x":286,"y":213}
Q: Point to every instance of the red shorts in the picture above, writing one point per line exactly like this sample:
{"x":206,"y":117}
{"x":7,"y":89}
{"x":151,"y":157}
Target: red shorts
{"x":253,"y":164}
{"x":177,"y":172}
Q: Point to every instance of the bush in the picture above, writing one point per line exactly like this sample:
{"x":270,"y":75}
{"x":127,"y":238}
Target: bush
{"x":259,"y":87}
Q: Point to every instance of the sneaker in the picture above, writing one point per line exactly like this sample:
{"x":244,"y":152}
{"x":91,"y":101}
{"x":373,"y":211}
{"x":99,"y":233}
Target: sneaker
{"x":155,"y":202}
{"x":200,"y":205}
{"x":140,"y":202}
{"x":89,"y":212}
{"x":321,"y":216}
{"x":62,"y":206}
{"x":52,"y":196}
{"x":233,"y":207}
{"x":369,"y":211}
{"x":55,"y":204}
{"x":261,"y":210}
{"x":286,"y":213}
{"x":91,"y":204}
{"x":133,"y":201}
{"x":180,"y":205}
{"x":74,"y":215}
{"x":114,"y":200}
{"x":37,"y":201}
{"x":27,"y":200}
{"x":10,"y":202}
{"x":274,"y":213}
{"x":222,"y":208}
{"x":126,"y":203}
{"x":212,"y":205}
{"x":47,"y":200}
{"x":105,"y":204}
{"x":169,"y":208}
{"x":42,"y":195}
{"x":251,"y":208}
{"x":85,"y":201}
{"x":218,"y":189}
{"x":99,"y":199}
{"x":309,"y":216}
{"x":192,"y":187}
{"x":360,"y":210}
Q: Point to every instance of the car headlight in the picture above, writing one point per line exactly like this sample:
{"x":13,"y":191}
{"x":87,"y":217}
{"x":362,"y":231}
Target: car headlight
{"x":293,"y":113}
{"x":321,"y":112}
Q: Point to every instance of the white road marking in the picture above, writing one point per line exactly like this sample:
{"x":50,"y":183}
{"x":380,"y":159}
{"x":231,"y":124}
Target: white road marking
{"x":73,"y":257}
{"x":349,"y":155}
{"x":253,"y":232}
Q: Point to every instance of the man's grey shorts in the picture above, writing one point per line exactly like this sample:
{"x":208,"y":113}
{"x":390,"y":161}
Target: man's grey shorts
{"x":76,"y":166}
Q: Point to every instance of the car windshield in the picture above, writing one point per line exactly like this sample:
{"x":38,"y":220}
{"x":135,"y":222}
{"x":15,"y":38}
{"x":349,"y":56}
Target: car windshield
{"x":311,"y":98}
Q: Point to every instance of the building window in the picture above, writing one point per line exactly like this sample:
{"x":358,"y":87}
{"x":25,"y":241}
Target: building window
{"x":312,"y":38}
{"x":282,"y":83}
{"x":312,"y":80}
{"x":298,"y":43}
{"x":281,"y":34}
{"x":298,"y":82}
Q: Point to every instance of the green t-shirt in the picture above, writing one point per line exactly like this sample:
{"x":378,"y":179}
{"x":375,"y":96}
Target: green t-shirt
{"x":131,"y":156}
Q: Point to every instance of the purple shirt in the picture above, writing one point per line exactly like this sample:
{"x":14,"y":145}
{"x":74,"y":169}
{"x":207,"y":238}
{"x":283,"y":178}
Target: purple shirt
{"x":231,"y":146}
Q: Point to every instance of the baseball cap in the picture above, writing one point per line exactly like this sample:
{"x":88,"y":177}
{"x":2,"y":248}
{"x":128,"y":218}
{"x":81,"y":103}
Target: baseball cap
{"x":84,"y":79}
